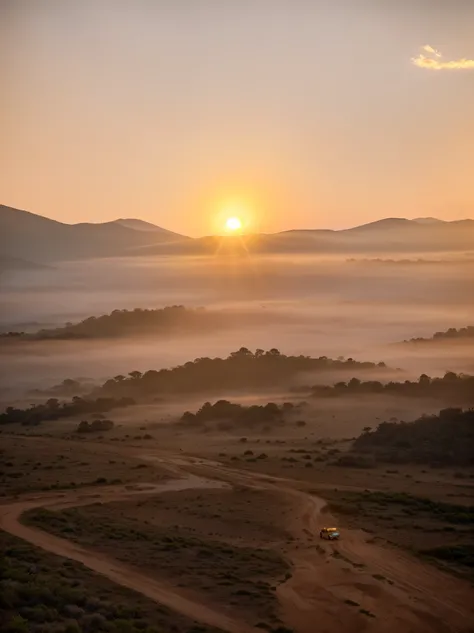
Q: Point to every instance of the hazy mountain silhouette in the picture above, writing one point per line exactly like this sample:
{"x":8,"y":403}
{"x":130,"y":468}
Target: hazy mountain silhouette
{"x":141,"y":225}
{"x":390,"y":235}
{"x":29,"y":236}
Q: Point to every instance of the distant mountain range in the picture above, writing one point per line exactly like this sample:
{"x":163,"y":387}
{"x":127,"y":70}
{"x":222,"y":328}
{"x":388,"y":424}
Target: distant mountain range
{"x":33,"y":238}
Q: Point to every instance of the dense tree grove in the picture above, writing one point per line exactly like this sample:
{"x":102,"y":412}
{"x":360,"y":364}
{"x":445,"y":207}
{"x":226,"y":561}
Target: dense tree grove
{"x":127,"y":323}
{"x":240,"y":415}
{"x":96,"y":426}
{"x":54,"y":410}
{"x":443,"y":439}
{"x":451,"y":387}
{"x":448,"y":335}
{"x":243,"y":369}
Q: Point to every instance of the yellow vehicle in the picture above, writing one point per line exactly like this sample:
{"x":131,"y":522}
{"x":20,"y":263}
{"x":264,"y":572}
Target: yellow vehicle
{"x":329,"y":533}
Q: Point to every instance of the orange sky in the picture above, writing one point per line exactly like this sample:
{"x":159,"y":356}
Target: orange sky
{"x":307,"y":114}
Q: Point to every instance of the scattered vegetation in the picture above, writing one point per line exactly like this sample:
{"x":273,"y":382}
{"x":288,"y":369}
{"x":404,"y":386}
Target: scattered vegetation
{"x":95,"y":426}
{"x":440,"y":531}
{"x":456,"y":388}
{"x":55,"y":410}
{"x":129,"y":323}
{"x":441,"y":440}
{"x":462,"y":555}
{"x":419,"y":506}
{"x":236,"y":575}
{"x":43,"y":593}
{"x":67,"y":388}
{"x":452,"y":334}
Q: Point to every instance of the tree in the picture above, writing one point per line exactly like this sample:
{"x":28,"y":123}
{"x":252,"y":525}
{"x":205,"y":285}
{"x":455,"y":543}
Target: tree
{"x":424,"y":380}
{"x":354,"y":383}
{"x":449,"y":376}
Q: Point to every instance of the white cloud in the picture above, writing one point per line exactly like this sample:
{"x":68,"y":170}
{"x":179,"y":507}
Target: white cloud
{"x":433,"y":61}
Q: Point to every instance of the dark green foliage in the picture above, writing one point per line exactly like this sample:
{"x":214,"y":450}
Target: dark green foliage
{"x":241,"y":369}
{"x":130,"y":322}
{"x":234,"y":572}
{"x":419,"y":506}
{"x":43,"y":593}
{"x":459,"y":554}
{"x":352,"y":460}
{"x":237,"y":414}
{"x":440,"y":440}
{"x":95,"y":426}
{"x":452,"y":334}
{"x":452,"y":388}
{"x":54,"y":410}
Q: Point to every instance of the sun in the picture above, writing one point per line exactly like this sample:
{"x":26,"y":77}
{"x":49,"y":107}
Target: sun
{"x":233,"y":224}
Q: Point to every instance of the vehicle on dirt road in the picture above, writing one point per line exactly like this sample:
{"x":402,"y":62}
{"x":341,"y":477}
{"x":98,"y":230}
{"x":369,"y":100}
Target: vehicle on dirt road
{"x":330,"y":533}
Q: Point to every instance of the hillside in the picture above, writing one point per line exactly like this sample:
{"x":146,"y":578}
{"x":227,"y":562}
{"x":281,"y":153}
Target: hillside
{"x":28,"y":236}
{"x":25,"y":235}
{"x":391,"y":235}
{"x":141,"y":225}
{"x":138,"y":322}
{"x":242,"y":369}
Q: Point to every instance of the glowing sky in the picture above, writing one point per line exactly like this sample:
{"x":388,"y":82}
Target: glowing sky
{"x":308,"y":113}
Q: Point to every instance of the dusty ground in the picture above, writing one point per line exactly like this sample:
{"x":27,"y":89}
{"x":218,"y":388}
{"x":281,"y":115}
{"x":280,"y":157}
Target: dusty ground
{"x":247,"y":554}
{"x":224,"y":539}
{"x":44,"y":463}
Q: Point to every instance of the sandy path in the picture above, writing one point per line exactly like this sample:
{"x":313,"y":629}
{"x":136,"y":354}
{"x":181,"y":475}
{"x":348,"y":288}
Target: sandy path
{"x":400,"y":592}
{"x":165,"y":594}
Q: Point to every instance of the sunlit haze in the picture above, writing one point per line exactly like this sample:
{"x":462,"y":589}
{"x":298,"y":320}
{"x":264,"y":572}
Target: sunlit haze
{"x":317,"y":114}
{"x":237,"y":316}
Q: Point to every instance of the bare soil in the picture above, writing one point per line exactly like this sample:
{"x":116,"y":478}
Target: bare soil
{"x":233,"y":543}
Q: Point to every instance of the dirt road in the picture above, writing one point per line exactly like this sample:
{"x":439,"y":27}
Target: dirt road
{"x":10,"y":521}
{"x":351,"y":586}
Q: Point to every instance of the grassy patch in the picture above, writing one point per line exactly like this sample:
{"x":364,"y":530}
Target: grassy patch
{"x":43,"y":593}
{"x":443,"y":532}
{"x":243,"y":577}
{"x":458,"y":554}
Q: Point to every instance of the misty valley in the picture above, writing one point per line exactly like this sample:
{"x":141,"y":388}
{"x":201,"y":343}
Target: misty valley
{"x":191,"y":419}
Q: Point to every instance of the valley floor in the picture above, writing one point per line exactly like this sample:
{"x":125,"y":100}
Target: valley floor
{"x":231,"y":548}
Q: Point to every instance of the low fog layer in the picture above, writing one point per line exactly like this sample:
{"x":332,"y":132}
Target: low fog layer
{"x":302,"y":305}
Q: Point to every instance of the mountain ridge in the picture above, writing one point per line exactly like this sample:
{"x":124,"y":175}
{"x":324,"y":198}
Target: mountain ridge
{"x":29,"y":236}
{"x":33,"y":237}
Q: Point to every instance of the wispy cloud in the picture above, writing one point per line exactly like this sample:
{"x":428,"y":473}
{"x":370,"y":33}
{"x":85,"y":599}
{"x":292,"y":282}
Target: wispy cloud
{"x":431,"y":50}
{"x":434,"y":61}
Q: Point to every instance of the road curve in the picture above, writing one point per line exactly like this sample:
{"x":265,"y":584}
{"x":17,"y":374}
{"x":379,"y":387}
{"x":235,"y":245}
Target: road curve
{"x":329,"y":581}
{"x":163,"y":593}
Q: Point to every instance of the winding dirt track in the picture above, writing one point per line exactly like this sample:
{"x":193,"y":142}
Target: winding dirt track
{"x":397,"y":592}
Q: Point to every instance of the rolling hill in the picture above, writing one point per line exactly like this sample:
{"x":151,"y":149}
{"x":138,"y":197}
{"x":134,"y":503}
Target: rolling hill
{"x":390,"y":235}
{"x":35,"y":238}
